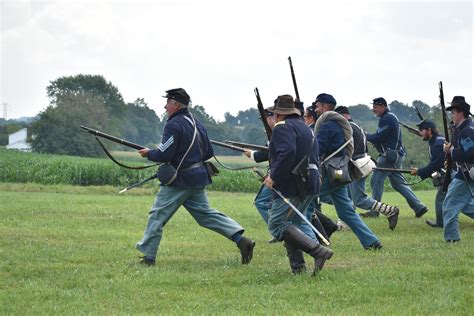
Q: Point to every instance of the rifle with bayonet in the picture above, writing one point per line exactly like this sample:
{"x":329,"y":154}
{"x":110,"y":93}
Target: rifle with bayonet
{"x":448,"y":160}
{"x":247,"y":146}
{"x":391,"y":170}
{"x":410,"y":129}
{"x":261,"y":110}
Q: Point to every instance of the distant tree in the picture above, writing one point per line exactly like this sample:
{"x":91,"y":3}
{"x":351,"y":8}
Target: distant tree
{"x":230,"y":119}
{"x":57,"y":129}
{"x":93,"y":85}
{"x":254,"y":135}
{"x":361,"y":113}
{"x":142,"y":125}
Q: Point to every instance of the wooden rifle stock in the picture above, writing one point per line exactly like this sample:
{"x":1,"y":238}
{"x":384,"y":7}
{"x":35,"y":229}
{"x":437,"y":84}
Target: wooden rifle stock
{"x":112,"y":138}
{"x":261,"y":110}
{"x":448,"y":159}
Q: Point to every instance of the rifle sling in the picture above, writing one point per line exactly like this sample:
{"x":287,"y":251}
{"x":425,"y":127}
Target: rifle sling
{"x":119,"y":163}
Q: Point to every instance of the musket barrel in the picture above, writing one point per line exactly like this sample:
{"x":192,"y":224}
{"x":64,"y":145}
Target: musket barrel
{"x":410,"y":129}
{"x":112,"y":138}
{"x":392,"y":170}
{"x":448,"y":158}
{"x":261,"y":110}
{"x":293,"y":78}
{"x":247,"y":146}
{"x":215,"y":142}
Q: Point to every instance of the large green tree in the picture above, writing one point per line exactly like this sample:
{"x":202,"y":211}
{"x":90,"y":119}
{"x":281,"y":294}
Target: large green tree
{"x":57,"y":130}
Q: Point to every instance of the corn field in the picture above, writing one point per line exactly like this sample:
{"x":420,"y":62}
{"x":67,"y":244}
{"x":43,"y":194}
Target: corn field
{"x":21,"y":167}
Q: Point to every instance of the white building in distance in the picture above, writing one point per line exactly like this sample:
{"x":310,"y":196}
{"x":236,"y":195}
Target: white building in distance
{"x":18,"y":141}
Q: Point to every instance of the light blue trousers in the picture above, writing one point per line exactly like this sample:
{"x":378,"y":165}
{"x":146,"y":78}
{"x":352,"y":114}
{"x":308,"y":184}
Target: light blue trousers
{"x":396,"y":180}
{"x":458,"y":199}
{"x":281,"y":216}
{"x":263,"y":203}
{"x":358,"y":195}
{"x":167,"y":202}
{"x":346,"y":212}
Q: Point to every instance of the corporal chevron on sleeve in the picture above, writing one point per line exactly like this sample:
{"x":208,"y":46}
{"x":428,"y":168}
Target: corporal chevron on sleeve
{"x":167,"y":144}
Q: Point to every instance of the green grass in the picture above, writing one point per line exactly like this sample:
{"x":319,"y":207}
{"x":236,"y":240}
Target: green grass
{"x":69,"y":250}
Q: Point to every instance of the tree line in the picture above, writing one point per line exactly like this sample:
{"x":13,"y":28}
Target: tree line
{"x":93,"y":101}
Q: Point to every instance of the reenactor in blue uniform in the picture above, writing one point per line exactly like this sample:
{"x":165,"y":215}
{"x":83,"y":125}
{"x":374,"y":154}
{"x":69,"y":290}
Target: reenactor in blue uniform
{"x":357,"y":187}
{"x":331,"y":137}
{"x":185,"y":147}
{"x":459,"y":196}
{"x":434,"y":168}
{"x":388,"y":142}
{"x":319,"y":219}
{"x":293,"y":142}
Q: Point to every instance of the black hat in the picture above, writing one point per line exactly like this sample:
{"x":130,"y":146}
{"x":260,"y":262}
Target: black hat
{"x":312,"y":111}
{"x":178,"y":94}
{"x":379,"y":101}
{"x":426,"y":123}
{"x":459,"y":102}
{"x":342,"y":110}
{"x":325,"y":98}
{"x":285,"y":105}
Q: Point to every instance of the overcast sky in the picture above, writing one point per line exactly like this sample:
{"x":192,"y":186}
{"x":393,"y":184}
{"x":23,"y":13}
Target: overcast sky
{"x":219,"y":51}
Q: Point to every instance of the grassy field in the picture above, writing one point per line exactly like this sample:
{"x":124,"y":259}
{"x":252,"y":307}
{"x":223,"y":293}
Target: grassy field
{"x":69,"y":250}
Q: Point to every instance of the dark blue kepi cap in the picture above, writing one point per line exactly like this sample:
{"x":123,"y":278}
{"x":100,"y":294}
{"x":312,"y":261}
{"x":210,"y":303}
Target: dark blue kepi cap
{"x":425,"y":124}
{"x":379,"y":101}
{"x":178,"y":94}
{"x":325,"y":98}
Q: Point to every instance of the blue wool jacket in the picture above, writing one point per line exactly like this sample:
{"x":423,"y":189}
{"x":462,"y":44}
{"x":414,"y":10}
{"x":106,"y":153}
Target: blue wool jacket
{"x":463,"y":146}
{"x":291,"y":141}
{"x":437,"y":157}
{"x":388,"y":134}
{"x":330,"y":138}
{"x":177,"y":136}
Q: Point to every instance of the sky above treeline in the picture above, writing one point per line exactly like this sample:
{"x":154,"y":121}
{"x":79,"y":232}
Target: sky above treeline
{"x":219,"y":51}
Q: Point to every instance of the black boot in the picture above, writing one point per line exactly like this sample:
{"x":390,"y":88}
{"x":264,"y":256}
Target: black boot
{"x":296,"y":258}
{"x":297,"y":238}
{"x":246,"y":246}
{"x":318,"y":225}
{"x":329,"y":225}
